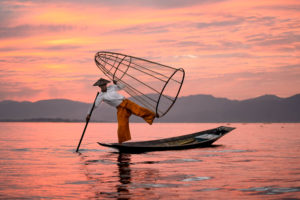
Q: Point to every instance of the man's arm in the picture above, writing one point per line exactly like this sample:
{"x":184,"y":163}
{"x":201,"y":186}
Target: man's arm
{"x":97,"y":102}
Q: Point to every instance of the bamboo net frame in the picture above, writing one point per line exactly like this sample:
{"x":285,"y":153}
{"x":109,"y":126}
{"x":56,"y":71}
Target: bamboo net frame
{"x":150,"y":84}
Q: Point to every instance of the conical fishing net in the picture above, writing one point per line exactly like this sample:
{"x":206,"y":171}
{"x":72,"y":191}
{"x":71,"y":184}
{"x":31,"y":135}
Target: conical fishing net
{"x":150,"y":84}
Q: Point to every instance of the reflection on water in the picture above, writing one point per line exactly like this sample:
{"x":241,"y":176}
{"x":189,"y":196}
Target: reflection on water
{"x":123,"y":184}
{"x":125,"y":176}
{"x":255,"y":161}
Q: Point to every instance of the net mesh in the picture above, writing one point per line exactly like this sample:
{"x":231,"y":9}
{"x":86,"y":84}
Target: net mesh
{"x":150,"y":84}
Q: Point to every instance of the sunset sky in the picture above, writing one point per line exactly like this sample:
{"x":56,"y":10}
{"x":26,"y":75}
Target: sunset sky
{"x":228,"y":48}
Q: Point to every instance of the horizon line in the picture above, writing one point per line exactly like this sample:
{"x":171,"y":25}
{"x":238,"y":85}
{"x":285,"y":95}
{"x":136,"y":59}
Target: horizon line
{"x":178,"y":98}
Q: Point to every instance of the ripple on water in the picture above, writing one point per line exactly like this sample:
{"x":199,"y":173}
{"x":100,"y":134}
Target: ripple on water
{"x":233,"y":151}
{"x":154,"y":185}
{"x":105,"y":162}
{"x":170,"y":161}
{"x":245,"y":160}
{"x":199,"y":178}
{"x":208,"y":189}
{"x":271,"y":190}
{"x":21,"y":149}
{"x":92,"y":150}
{"x":81,"y":182}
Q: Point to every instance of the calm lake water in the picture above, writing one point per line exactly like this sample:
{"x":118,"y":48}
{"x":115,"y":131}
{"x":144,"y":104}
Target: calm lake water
{"x":255,"y":161}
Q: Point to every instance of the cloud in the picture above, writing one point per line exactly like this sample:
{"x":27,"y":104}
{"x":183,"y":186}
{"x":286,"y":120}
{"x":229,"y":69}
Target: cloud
{"x":229,"y":55}
{"x":7,"y":13}
{"x":21,"y":59}
{"x":28,"y":30}
{"x":7,"y":49}
{"x":45,"y":48}
{"x":187,"y":43}
{"x":16,"y":90}
{"x":232,"y":21}
{"x":215,"y":46}
{"x":166,"y":41}
{"x":24,"y":60}
{"x":142,"y":29}
{"x":140,"y":3}
{"x":295,"y":7}
{"x":230,"y":37}
{"x":59,"y":47}
{"x":159,"y":3}
{"x":285,"y":39}
{"x":189,"y":56}
{"x":280,"y":80}
{"x":290,"y":67}
{"x":222,"y":23}
{"x":274,"y":74}
{"x":269,"y":39}
{"x":265,"y":21}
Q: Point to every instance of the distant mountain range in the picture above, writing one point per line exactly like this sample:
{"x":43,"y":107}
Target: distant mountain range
{"x":195,"y":108}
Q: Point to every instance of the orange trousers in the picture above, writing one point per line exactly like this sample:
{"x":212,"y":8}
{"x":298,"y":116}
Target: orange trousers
{"x":124,"y":111}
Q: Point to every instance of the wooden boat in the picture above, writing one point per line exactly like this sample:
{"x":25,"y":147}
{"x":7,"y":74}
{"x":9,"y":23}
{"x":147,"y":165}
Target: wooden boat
{"x":194,"y":140}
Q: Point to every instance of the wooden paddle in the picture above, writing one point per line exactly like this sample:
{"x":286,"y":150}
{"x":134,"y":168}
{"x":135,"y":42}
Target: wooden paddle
{"x":87,"y":121}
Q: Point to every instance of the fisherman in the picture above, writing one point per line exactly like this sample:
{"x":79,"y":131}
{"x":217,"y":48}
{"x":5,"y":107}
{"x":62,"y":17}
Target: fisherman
{"x":124,"y":106}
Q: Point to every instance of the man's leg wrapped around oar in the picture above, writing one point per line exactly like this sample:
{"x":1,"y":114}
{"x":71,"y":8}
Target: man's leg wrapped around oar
{"x":125,"y":109}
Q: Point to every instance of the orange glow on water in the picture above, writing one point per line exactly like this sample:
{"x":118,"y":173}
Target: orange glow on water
{"x":254,"y":161}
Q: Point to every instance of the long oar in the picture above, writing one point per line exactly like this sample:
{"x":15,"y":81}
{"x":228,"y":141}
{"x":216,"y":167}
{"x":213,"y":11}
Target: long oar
{"x":87,"y":122}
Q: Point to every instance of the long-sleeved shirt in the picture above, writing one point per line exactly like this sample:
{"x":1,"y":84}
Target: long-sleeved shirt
{"x":111,"y":96}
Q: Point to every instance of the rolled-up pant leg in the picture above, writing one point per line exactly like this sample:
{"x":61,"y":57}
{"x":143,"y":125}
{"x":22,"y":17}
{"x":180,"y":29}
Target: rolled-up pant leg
{"x":145,"y":113}
{"x":124,"y":111}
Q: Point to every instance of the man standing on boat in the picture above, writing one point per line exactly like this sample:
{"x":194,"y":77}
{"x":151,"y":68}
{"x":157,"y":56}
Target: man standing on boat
{"x":124,"y":106}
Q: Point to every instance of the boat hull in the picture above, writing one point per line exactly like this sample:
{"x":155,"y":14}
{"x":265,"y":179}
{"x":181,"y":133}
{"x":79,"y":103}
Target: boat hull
{"x":195,"y":140}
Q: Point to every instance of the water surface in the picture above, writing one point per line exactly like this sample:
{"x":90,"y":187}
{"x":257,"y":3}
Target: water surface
{"x":255,"y":161}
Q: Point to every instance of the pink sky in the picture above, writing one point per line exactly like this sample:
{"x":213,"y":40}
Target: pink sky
{"x":228,"y":48}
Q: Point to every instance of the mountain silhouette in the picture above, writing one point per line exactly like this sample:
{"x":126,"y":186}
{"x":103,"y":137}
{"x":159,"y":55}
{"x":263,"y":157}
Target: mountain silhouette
{"x":194,"y":108}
